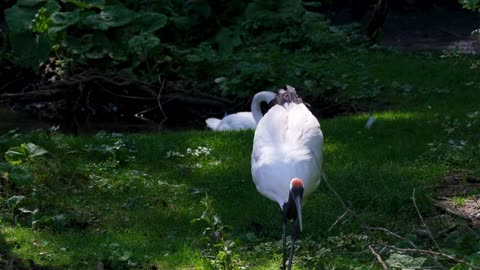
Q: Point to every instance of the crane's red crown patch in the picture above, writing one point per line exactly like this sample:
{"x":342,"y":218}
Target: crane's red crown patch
{"x":296,"y":183}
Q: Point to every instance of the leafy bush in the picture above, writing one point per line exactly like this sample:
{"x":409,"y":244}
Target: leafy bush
{"x":470,"y":4}
{"x":99,"y":47}
{"x":82,"y":33}
{"x":128,"y":36}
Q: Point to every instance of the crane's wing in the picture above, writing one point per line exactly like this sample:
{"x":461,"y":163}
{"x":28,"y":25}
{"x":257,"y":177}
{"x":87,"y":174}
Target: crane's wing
{"x":287,"y":144}
{"x":304,"y":129}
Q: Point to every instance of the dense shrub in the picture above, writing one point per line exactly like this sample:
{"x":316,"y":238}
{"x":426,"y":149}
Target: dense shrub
{"x":245,"y":46}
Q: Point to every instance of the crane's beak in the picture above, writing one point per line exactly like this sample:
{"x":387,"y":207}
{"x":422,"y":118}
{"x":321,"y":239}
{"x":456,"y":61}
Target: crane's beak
{"x":298,"y":204}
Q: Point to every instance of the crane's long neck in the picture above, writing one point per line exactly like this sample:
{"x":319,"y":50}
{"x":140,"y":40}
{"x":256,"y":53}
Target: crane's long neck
{"x":258,"y":99}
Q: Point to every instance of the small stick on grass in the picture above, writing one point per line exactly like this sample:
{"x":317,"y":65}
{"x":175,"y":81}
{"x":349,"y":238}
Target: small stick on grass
{"x":338,"y":220}
{"x":347,"y":209}
{"x":387,"y":231}
{"x":378,"y":257}
{"x":423,"y":222}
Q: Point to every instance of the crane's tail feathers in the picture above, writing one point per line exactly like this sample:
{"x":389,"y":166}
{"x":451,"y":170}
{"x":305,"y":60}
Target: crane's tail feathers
{"x":213,"y":123}
{"x":289,"y":94}
{"x":286,"y":95}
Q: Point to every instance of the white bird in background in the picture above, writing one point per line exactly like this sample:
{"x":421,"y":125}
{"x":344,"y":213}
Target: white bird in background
{"x":242,"y":120}
{"x":287,"y":159}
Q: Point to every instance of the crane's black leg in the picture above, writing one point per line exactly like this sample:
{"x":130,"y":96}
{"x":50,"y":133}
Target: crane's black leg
{"x":284,"y":240}
{"x":292,"y":244}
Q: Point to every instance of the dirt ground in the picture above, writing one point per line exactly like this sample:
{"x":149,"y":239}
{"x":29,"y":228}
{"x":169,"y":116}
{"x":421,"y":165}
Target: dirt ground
{"x":415,"y":29}
{"x":434,"y":29}
{"x":459,"y":185}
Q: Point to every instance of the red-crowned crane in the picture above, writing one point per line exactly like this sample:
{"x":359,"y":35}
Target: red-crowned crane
{"x":287,"y":159}
{"x":242,"y":120}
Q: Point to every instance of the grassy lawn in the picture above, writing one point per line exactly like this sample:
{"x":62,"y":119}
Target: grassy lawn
{"x":185,"y":200}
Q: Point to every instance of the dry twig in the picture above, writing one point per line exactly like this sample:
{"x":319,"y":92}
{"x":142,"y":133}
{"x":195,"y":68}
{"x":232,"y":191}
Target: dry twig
{"x":378,"y":257}
{"x":423,"y":222}
{"x":347,"y":209}
{"x":338,"y":220}
{"x":387,"y":231}
{"x":162,"y":85}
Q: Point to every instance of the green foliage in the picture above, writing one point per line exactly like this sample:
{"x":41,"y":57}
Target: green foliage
{"x":215,"y":237}
{"x":402,"y":261}
{"x":14,"y":200}
{"x":470,"y":4}
{"x":456,"y":145}
{"x":26,"y":151}
{"x":80,"y":32}
{"x":115,"y":148}
{"x":18,"y":175}
{"x":194,"y":36}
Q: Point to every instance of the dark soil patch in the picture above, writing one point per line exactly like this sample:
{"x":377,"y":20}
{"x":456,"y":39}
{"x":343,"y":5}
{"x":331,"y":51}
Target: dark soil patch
{"x":417,"y":29}
{"x":433,"y":29}
{"x":459,"y":195}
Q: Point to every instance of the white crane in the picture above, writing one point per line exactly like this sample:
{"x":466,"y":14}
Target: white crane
{"x":242,"y":120}
{"x":287,"y":159}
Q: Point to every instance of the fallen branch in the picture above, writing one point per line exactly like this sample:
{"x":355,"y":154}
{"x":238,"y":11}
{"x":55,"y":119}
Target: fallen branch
{"x":378,"y":257}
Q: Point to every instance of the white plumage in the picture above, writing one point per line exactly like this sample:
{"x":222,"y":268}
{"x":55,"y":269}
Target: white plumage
{"x":287,"y":159}
{"x":236,"y":121}
{"x":242,"y":120}
{"x":287,"y":144}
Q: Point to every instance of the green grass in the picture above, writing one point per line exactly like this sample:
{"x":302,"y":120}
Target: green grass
{"x":129,"y":205}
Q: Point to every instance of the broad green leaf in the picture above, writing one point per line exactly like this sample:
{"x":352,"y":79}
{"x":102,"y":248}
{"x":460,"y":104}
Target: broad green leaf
{"x":251,"y":237}
{"x":16,"y":155}
{"x":142,"y":43}
{"x":150,"y":22}
{"x":52,"y":6}
{"x":86,"y":4}
{"x":20,"y":176}
{"x":29,"y":3}
{"x":111,"y":16}
{"x":227,"y":39}
{"x":19,"y":19}
{"x":59,"y":221}
{"x":30,"y":51}
{"x":403,"y":261}
{"x":100,"y":46}
{"x":34,"y":150}
{"x":202,"y":8}
{"x":14,"y":200}
{"x":62,"y":20}
{"x":126,"y":255}
{"x":78,"y":45}
{"x":182,"y":23}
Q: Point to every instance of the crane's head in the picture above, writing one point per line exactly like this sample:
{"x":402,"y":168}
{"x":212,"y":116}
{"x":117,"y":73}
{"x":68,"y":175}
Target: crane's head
{"x":296,"y":194}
